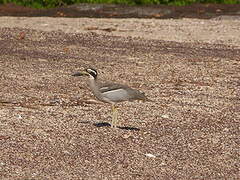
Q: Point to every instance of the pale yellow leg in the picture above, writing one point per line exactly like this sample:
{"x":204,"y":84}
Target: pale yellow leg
{"x":114,"y":117}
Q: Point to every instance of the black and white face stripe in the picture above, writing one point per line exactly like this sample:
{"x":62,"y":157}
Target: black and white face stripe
{"x":92,"y":72}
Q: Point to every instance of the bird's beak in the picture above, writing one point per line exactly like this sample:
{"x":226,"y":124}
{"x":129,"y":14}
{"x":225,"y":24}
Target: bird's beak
{"x":83,"y":73}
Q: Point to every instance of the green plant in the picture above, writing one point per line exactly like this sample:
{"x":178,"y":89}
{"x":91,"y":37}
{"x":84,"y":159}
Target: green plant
{"x":55,"y":3}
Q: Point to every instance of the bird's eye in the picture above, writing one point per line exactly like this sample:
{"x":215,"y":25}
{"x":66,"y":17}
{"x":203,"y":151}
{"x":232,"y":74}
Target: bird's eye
{"x":91,"y":71}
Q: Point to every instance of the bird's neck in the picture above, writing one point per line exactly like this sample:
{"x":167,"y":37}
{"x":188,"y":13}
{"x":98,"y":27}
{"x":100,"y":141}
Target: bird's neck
{"x":94,"y":85}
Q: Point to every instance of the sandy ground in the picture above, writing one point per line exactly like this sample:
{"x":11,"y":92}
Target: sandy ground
{"x":51,"y":127}
{"x":221,"y":30}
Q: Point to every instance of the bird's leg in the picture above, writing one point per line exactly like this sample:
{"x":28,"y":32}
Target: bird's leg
{"x":113,"y":109}
{"x":114,"y":117}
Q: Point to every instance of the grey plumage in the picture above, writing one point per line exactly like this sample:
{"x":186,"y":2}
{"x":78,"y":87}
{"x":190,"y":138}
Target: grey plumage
{"x":118,"y":93}
{"x":111,"y":92}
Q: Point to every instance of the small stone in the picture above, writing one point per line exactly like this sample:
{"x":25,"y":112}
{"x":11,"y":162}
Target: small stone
{"x":165,"y":116}
{"x":125,"y":136}
{"x":19,"y":116}
{"x":150,"y":155}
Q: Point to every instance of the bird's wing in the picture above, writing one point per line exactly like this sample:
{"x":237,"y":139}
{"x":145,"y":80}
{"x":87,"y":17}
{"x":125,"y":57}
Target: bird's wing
{"x":123,"y":91}
{"x":106,"y":87}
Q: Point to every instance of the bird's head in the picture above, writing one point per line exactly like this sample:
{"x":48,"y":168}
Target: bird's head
{"x":92,"y":73}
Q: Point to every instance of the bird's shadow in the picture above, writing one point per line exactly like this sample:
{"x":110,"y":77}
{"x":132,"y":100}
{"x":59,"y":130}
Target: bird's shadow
{"x":104,"y":124}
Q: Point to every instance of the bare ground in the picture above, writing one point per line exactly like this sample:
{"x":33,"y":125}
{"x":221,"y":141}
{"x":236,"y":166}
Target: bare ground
{"x":52,"y":128}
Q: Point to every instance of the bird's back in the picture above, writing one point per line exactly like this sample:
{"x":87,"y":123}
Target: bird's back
{"x":118,"y":92}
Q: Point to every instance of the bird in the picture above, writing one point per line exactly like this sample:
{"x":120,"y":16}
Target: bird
{"x":111,"y":93}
